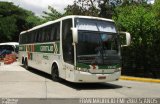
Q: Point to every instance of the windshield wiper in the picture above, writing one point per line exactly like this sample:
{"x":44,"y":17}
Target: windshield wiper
{"x":89,"y":59}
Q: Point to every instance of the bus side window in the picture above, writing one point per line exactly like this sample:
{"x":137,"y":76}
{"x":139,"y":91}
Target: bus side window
{"x":35,"y":36}
{"x":52,"y":32}
{"x":58,"y":31}
{"x":25,"y":38}
{"x":28,"y":37}
{"x":55,"y":32}
{"x":47,"y":35}
{"x":32,"y":37}
{"x":39,"y":36}
{"x":42,"y":33}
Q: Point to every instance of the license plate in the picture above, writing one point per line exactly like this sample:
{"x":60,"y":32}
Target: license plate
{"x":102,"y":77}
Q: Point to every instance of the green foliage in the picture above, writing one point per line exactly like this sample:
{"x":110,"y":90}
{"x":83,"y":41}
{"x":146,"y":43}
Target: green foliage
{"x":142,"y":21}
{"x":13,"y":20}
{"x":138,"y":20}
{"x":52,"y":14}
{"x":8,"y":20}
{"x":32,"y":20}
{"x":7,"y":28}
{"x":75,"y":10}
{"x":101,"y":8}
{"x":156,"y":8}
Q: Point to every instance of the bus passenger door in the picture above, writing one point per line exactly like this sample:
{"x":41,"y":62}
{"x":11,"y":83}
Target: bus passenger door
{"x":69,"y":72}
{"x":67,"y":47}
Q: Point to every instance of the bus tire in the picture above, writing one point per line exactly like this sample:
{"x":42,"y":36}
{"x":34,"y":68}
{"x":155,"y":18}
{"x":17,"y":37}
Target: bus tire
{"x":22,"y":60}
{"x":55,"y":73}
{"x":26,"y":64}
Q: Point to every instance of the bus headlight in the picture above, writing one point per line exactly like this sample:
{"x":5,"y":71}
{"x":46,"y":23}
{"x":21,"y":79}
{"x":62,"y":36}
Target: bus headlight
{"x":82,"y":69}
{"x":117,"y":69}
{"x":79,"y":69}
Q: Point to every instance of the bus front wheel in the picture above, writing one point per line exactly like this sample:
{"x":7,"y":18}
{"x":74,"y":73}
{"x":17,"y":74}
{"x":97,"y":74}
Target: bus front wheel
{"x":22,"y":60}
{"x":55,"y":73}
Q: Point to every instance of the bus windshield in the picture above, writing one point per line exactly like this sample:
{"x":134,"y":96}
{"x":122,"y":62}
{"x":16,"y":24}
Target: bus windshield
{"x":97,"y":47}
{"x":6,"y":49}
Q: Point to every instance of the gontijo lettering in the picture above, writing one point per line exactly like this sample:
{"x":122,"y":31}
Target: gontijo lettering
{"x":46,"y":48}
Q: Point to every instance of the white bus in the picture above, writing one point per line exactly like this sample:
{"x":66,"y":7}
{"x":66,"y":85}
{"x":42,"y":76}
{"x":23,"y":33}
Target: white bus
{"x":75,"y":48}
{"x":8,"y":48}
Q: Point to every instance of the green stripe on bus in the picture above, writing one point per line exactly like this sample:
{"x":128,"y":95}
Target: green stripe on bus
{"x":45,"y":48}
{"x":81,"y":65}
{"x":114,"y":66}
{"x":109,"y":66}
{"x":22,"y":48}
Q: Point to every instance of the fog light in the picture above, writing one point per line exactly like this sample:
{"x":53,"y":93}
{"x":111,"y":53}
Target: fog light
{"x":117,"y":69}
{"x":82,"y":69}
{"x":79,"y":69}
{"x":85,"y":70}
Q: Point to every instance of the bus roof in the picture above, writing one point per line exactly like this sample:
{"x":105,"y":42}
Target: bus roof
{"x":63,"y":18}
{"x":10,"y":43}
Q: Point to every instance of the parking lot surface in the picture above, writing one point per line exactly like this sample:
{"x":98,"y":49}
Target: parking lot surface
{"x":16,"y":82}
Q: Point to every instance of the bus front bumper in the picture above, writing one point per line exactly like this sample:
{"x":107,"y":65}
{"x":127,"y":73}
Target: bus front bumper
{"x":82,"y":77}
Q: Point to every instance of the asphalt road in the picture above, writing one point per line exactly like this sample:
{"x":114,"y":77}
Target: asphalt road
{"x":16,"y":82}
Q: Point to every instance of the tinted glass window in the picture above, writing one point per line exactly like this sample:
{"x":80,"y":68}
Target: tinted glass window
{"x":68,"y":52}
{"x":46,"y":34}
{"x":55,"y":32}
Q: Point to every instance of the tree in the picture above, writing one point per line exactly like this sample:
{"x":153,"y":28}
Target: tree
{"x":13,"y":20}
{"x":101,"y":8}
{"x":32,"y":20}
{"x":74,"y":9}
{"x":141,"y":21}
{"x":7,"y":28}
{"x":156,"y":8}
{"x":52,"y":14}
{"x":8,"y":20}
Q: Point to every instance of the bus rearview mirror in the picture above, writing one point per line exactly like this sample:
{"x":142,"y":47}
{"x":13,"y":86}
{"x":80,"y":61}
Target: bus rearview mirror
{"x":127,"y":38}
{"x":75,"y":35}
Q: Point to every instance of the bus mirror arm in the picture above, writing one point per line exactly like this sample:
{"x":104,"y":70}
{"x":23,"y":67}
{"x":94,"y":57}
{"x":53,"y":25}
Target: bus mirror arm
{"x":75,"y":35}
{"x":128,"y":38}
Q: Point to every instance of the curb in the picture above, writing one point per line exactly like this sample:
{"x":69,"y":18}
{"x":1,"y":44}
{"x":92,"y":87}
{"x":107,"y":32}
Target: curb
{"x":140,"y":79}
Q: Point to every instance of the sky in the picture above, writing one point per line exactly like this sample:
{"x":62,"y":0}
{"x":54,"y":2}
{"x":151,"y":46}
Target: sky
{"x":151,"y":1}
{"x":38,"y":6}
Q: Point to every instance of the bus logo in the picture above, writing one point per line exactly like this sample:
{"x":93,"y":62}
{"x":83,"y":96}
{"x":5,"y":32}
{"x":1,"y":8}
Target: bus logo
{"x":46,"y":48}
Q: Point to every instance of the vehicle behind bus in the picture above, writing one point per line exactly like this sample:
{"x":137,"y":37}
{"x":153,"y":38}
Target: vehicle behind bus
{"x":8,"y":48}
